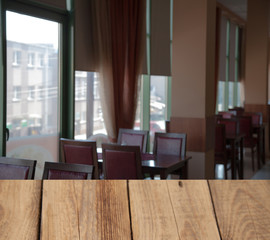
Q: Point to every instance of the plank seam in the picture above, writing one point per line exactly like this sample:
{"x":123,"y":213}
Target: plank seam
{"x":173,"y":208}
{"x":214,"y":209}
{"x":129,"y":209}
{"x":40,"y":215}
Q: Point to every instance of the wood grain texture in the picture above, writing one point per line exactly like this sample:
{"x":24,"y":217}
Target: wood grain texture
{"x":19,"y":209}
{"x":85,"y":210}
{"x":193,"y":209}
{"x":152,"y":214}
{"x":165,"y":210}
{"x":242,"y":208}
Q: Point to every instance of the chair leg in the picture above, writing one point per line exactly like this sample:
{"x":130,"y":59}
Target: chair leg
{"x":225,"y":171}
{"x":252,"y":159}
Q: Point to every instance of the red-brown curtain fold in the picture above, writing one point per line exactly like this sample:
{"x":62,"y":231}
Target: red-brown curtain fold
{"x":119,"y":29}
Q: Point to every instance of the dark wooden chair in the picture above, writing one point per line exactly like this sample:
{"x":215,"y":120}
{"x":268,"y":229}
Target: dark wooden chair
{"x":80,"y":152}
{"x":221,"y":152}
{"x":121,"y":162}
{"x":231,"y":126}
{"x":239,"y":110}
{"x":170,"y":144}
{"x":53,"y":170}
{"x":257,"y":117}
{"x":13,"y":168}
{"x":231,"y":129}
{"x":245,"y":127}
{"x":133,"y":137}
{"x":226,"y":114}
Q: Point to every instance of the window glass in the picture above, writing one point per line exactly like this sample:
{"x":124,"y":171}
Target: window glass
{"x":138,"y":123}
{"x":221,"y":96}
{"x":88,"y":113}
{"x":158,"y":86}
{"x":231,"y":95}
{"x":32,"y":93}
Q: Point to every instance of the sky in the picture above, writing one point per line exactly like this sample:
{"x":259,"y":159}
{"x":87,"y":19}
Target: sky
{"x":26,"y":29}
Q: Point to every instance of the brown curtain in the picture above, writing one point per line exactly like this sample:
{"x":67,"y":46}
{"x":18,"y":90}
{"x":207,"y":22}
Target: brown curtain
{"x":119,"y":31}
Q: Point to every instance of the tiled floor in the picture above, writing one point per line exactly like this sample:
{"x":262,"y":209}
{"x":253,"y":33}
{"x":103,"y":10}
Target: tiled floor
{"x":263,"y":173}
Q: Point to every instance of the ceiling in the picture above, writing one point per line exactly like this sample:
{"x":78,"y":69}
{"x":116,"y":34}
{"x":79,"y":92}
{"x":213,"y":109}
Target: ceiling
{"x":239,"y":7}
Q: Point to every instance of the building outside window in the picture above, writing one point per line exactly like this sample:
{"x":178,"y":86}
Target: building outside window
{"x":17,"y":93}
{"x":31,"y":59}
{"x":88,"y":112}
{"x":40,"y":60}
{"x":16,"y":58}
{"x":31,"y":93}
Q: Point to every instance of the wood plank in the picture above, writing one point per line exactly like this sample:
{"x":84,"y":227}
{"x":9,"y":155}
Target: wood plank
{"x":152,"y":215}
{"x":242,"y":208}
{"x":193,"y":209}
{"x":19,"y":209}
{"x":85,"y":210}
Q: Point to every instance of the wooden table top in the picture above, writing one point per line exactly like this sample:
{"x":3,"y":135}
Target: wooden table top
{"x":164,"y":161}
{"x":135,"y":209}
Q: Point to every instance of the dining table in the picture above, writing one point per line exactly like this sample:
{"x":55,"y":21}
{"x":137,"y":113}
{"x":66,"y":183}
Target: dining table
{"x":160,"y":164}
{"x":134,"y":209}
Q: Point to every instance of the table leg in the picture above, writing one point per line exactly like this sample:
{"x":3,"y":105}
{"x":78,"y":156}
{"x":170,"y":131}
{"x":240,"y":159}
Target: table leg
{"x":163,"y":174}
{"x":259,"y":144}
{"x":263,"y":145}
{"x":184,"y":171}
{"x":233,"y":163}
{"x":241,"y":175}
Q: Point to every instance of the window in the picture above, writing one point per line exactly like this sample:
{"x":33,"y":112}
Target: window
{"x":34,"y":124}
{"x":80,"y":89}
{"x":40,"y":60}
{"x":154,"y":96}
{"x":40,"y":93}
{"x":16,"y":58}
{"x":31,"y":93}
{"x":31,"y":59}
{"x":88,"y":113}
{"x":229,"y":90}
{"x":17,"y":90}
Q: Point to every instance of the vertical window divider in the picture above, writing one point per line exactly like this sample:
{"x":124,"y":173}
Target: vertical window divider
{"x":3,"y":85}
{"x":226,"y":89}
{"x":235,"y":97}
{"x":67,"y":83}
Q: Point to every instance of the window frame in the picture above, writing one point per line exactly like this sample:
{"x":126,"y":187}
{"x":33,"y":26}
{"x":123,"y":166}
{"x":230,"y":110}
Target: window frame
{"x":66,"y":56}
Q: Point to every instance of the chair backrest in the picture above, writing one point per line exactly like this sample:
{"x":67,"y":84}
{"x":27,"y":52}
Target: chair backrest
{"x":170,"y":143}
{"x":231,"y":126}
{"x":257,"y":117}
{"x":245,"y":125}
{"x":13,"y":168}
{"x":80,"y":152}
{"x":133,"y":137}
{"x":239,"y":110}
{"x":53,"y":170}
{"x":220,"y":139}
{"x":121,"y":161}
{"x":226,"y":114}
